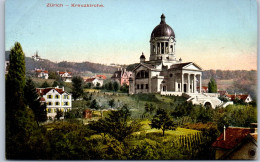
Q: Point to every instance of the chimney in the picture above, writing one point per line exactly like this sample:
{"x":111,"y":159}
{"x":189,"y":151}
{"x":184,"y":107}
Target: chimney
{"x":224,"y":132}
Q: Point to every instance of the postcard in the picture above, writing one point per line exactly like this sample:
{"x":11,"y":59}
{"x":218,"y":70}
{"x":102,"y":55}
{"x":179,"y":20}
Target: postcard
{"x":131,"y":80}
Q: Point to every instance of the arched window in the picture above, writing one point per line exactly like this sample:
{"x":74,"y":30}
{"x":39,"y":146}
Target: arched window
{"x":142,"y":74}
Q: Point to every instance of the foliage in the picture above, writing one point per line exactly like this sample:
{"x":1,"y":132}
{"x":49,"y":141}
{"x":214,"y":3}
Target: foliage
{"x":59,"y":114}
{"x":55,"y":84}
{"x":124,"y":88}
{"x":212,"y":86}
{"x":77,"y":90}
{"x":115,"y":86}
{"x":149,"y":108}
{"x":111,"y":103}
{"x":53,"y":75}
{"x":33,"y":101}
{"x":162,"y":121}
{"x":23,"y":136}
{"x":116,"y":124}
{"x":45,"y":85}
{"x":94,"y":104}
{"x":74,"y":113}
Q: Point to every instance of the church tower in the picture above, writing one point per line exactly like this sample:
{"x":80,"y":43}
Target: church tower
{"x":162,"y":42}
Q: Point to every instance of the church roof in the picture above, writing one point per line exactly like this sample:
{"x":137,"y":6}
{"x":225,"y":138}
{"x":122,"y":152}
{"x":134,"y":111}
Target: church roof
{"x":179,"y":66}
{"x":182,"y":65}
{"x":162,"y":29}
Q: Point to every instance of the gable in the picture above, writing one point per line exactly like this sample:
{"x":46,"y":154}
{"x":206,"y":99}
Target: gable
{"x":192,"y":66}
{"x":141,"y":67}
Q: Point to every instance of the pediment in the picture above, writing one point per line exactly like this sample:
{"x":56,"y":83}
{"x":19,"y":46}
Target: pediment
{"x":192,"y":66}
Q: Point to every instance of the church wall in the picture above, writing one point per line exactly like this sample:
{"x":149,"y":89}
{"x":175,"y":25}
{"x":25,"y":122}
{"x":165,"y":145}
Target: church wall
{"x":142,"y":85}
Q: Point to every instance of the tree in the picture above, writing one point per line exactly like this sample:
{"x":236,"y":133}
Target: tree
{"x":45,"y":85}
{"x":98,"y":85}
{"x":111,"y":103}
{"x":59,"y":114}
{"x":116,"y":124}
{"x":53,"y":75}
{"x":162,"y":121}
{"x":94,"y":104}
{"x":212,"y":86}
{"x":55,"y":84}
{"x":32,"y":99}
{"x":115,"y":86}
{"x":77,"y":90}
{"x":22,"y":134}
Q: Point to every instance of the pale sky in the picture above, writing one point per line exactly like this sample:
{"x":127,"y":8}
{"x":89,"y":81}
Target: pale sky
{"x":215,"y":34}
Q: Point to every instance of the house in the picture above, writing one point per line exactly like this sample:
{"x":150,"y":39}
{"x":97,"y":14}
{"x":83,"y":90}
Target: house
{"x":101,"y":77}
{"x":122,"y":76}
{"x":244,"y":97}
{"x":95,"y":81}
{"x":237,"y":143}
{"x":204,"y":89}
{"x":65,"y":76}
{"x":55,"y":98}
{"x":41,"y":73}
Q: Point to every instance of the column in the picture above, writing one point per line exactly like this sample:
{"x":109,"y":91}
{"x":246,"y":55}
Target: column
{"x":188,"y":86}
{"x":160,"y":51}
{"x":195,"y":84}
{"x":200,"y":84}
{"x":164,"y":47}
{"x":182,"y":81}
{"x":176,"y":84}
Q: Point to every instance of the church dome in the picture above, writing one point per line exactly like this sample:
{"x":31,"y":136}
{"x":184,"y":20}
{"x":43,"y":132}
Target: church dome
{"x":162,"y":29}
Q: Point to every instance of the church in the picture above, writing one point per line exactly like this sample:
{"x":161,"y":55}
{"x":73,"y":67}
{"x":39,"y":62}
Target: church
{"x":163,"y":73}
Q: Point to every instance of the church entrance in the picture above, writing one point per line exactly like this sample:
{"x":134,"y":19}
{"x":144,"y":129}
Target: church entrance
{"x":164,"y":88}
{"x":185,"y":88}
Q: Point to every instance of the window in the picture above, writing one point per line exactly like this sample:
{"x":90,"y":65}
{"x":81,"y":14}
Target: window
{"x":146,"y":86}
{"x":49,"y":103}
{"x":57,"y":103}
{"x":142,"y":86}
{"x":49,"y":110}
{"x":142,"y":74}
{"x":49,"y":96}
{"x":137,"y":86}
{"x":162,"y":47}
{"x":57,"y":96}
{"x":171,"y":48}
{"x":66,"y":103}
{"x":171,"y":75}
{"x":66,"y":97}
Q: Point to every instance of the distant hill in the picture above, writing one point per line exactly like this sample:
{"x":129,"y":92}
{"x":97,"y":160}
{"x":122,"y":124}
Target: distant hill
{"x":62,"y":66}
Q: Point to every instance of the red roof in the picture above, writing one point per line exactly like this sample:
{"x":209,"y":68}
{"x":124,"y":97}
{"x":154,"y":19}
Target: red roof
{"x":102,"y":76}
{"x":39,"y":71}
{"x":43,"y":91}
{"x":90,"y":80}
{"x":232,"y":96}
{"x":233,"y":137}
{"x":61,"y":72}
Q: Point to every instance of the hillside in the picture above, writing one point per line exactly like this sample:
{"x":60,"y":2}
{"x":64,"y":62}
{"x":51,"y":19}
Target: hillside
{"x":74,"y":67}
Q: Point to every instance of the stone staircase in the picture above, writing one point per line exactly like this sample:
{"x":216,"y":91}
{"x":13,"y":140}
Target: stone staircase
{"x":202,"y":99}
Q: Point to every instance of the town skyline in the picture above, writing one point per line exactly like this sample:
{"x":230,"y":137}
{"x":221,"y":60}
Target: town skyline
{"x":225,"y":40}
